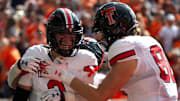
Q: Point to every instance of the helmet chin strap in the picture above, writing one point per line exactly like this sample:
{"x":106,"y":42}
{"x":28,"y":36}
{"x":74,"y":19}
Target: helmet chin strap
{"x":64,"y":53}
{"x":67,"y":53}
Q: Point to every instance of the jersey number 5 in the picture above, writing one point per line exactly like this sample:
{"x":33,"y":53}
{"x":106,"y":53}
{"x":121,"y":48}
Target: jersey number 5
{"x":163,"y":64}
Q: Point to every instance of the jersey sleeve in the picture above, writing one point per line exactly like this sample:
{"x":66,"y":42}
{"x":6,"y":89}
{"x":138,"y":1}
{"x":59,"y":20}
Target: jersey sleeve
{"x":93,"y":62}
{"x":26,"y":79}
{"x":34,"y":51}
{"x":121,"y":51}
{"x":89,"y":57}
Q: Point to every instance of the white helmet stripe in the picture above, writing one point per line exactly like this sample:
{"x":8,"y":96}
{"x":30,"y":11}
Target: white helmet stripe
{"x":68,"y":18}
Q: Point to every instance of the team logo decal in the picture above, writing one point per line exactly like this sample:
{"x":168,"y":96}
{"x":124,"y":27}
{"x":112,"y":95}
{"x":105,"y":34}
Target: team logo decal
{"x":108,"y":14}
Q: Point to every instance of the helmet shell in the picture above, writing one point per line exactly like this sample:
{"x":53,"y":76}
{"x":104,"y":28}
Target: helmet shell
{"x":114,"y":20}
{"x":64,"y":21}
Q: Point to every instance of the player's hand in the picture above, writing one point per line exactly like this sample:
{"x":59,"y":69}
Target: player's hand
{"x":57,"y":72}
{"x":29,"y":64}
{"x":51,"y":95}
{"x":52,"y":70}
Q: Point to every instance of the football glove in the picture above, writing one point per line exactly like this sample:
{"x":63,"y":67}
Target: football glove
{"x":29,"y":64}
{"x":57,"y":72}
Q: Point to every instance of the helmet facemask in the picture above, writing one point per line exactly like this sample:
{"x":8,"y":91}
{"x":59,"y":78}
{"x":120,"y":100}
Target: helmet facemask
{"x":67,"y":44}
{"x":59,"y":26}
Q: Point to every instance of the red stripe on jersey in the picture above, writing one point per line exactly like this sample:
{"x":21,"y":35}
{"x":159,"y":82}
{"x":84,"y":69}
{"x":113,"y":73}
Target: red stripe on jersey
{"x":68,"y":18}
{"x":122,"y":56}
{"x":23,"y":73}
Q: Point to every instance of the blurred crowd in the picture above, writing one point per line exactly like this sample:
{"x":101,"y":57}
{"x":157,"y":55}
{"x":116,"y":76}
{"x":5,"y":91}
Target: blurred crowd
{"x":23,"y":24}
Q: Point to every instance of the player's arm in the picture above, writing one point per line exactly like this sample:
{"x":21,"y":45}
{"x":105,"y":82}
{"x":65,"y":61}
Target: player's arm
{"x":116,"y":79}
{"x":24,"y":87}
{"x":27,"y":64}
{"x":123,"y":63}
{"x":13,"y":75}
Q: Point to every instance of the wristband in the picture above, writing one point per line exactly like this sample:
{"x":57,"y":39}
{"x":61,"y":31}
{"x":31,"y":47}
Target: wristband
{"x":18,"y":64}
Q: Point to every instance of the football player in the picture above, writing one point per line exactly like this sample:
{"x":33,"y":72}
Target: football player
{"x":66,"y":50}
{"x":138,"y":63}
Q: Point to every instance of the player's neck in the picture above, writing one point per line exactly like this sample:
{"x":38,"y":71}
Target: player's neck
{"x":54,"y":54}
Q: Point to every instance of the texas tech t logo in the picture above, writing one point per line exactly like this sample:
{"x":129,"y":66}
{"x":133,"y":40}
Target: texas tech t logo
{"x":108,"y":14}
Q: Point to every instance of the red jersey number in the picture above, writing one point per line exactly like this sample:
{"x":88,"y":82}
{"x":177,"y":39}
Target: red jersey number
{"x":163,"y":64}
{"x":53,"y":83}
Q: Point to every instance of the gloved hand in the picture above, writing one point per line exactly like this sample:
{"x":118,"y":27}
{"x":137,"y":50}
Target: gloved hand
{"x":29,"y":64}
{"x":57,"y":72}
{"x":51,"y":95}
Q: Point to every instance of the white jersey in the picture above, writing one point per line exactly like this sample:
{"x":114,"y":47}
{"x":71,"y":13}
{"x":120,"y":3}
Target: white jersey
{"x":44,"y":89}
{"x":153,"y":78}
